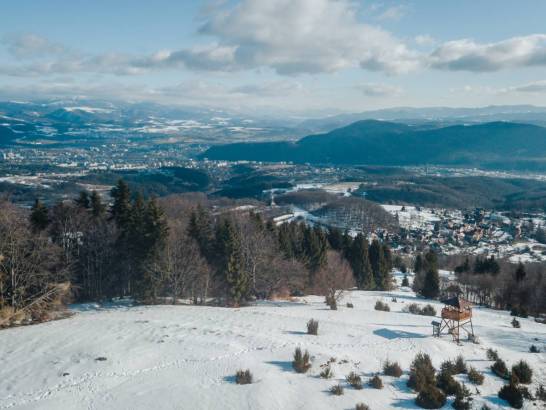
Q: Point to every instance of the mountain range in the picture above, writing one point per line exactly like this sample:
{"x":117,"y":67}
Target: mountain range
{"x":386,"y":143}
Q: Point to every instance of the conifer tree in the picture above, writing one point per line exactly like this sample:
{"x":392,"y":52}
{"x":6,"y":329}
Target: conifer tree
{"x":97,"y":207}
{"x":377,"y":262}
{"x":121,"y":208}
{"x":83,"y":200}
{"x":360,"y":263}
{"x":431,"y":284}
{"x":39,"y":218}
{"x":520,"y":272}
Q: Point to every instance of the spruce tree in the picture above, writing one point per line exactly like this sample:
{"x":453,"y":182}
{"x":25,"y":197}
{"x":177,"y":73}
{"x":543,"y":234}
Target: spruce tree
{"x":360,"y":262}
{"x":378,"y":263}
{"x":97,"y":207}
{"x":121,"y":208}
{"x":83,"y":200}
{"x":431,"y":285}
{"x":39,"y":218}
{"x":520,"y":272}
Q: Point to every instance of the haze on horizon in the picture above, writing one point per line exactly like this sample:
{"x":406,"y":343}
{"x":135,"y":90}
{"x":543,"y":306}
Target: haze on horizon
{"x":300,"y":56}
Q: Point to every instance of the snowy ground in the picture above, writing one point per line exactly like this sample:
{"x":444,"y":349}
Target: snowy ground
{"x":184,"y":357}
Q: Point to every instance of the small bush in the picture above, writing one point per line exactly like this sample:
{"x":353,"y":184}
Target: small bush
{"x":243,"y":377}
{"x":394,"y":300}
{"x":312,"y":327}
{"x":392,"y":369}
{"x":462,"y":401}
{"x":350,"y":305}
{"x":460,"y":365}
{"x":362,"y":406}
{"x":523,"y":372}
{"x":327,"y":373}
{"x":301,"y":361}
{"x":541,"y":393}
{"x":405,"y":281}
{"x":447,"y":384}
{"x":382,"y":306}
{"x":337,"y":390}
{"x":492,"y":355}
{"x":475,"y":376}
{"x":515,"y":323}
{"x":428,"y":310}
{"x":354,"y":380}
{"x":415,"y":309}
{"x":448,"y":367}
{"x":430,"y":398}
{"x":512,"y":395}
{"x":376,"y":382}
{"x":422,"y":373}
{"x":534,"y":349}
{"x":500,"y":369}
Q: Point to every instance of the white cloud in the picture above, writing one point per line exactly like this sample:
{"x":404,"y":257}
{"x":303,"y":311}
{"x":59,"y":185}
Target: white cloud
{"x":424,"y":40}
{"x":394,"y":13}
{"x":30,"y":45}
{"x":536,"y":87}
{"x":379,"y":90}
{"x":468,"y":55}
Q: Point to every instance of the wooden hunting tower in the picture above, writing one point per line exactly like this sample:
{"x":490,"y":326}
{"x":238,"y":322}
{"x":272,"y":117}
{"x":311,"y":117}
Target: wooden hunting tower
{"x":457,"y":316}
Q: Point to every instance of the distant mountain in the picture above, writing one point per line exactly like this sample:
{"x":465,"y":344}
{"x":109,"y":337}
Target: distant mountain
{"x":6,"y":135}
{"x":445,"y":116}
{"x":386,"y":143}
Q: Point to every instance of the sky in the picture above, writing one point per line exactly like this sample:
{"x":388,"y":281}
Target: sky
{"x":288,"y":56}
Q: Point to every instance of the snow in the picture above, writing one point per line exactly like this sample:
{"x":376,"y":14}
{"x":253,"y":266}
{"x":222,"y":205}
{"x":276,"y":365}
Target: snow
{"x":184,"y":357}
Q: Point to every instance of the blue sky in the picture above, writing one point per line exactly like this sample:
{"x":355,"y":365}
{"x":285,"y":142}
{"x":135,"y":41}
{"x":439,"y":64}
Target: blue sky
{"x":300,"y":56}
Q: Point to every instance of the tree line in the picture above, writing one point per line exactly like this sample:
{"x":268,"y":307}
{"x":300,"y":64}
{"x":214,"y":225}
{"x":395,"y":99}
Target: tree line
{"x":175,"y":248}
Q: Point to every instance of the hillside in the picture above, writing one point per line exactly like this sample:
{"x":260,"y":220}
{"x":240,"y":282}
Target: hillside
{"x":173,"y":357}
{"x":385,"y":143}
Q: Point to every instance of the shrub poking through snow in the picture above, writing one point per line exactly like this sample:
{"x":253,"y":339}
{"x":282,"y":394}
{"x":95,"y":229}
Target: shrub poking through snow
{"x":301,"y":361}
{"x":422,"y":373}
{"x":376,"y":382}
{"x":312,"y":327}
{"x":379,"y":305}
{"x":430,"y":397}
{"x":405,"y":281}
{"x":332,"y":302}
{"x":392,"y":369}
{"x":447,"y":383}
{"x":500,"y":369}
{"x":534,"y":349}
{"x":336,"y":390}
{"x":492,"y":355}
{"x":523,"y":372}
{"x":354,"y":380}
{"x":448,"y":367}
{"x":362,"y":406}
{"x":460,"y":365}
{"x":350,"y":305}
{"x":428,"y":310}
{"x":475,"y":376}
{"x":416,"y":309}
{"x":512,"y":395}
{"x":327,"y":373}
{"x":515,"y":323}
{"x":243,"y":377}
{"x":463,"y":400}
{"x":541,"y":393}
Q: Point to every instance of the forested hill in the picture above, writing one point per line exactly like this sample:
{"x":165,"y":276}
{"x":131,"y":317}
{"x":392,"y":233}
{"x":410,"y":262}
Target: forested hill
{"x":386,"y":143}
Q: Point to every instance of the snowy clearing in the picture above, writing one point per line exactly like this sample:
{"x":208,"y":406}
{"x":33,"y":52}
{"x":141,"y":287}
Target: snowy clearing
{"x":185,"y":357}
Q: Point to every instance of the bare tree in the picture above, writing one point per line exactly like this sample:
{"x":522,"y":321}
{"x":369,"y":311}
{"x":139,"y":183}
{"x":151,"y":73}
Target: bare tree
{"x":334,"y":278}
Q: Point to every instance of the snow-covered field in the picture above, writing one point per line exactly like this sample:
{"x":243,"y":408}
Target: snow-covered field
{"x":184,"y":357}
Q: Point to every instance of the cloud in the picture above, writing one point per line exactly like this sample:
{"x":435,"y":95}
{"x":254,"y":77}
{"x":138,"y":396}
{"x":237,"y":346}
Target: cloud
{"x":467,"y":55}
{"x":424,"y":40}
{"x":536,"y":87}
{"x":31,"y":45}
{"x":394,"y":13}
{"x":379,"y":90}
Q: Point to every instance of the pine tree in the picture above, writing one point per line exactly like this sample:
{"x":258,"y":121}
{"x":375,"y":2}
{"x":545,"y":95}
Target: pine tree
{"x":236,"y":278}
{"x":39,"y":218}
{"x":335,"y":238}
{"x":378,"y":264}
{"x":431,"y":285}
{"x":520,"y":272}
{"x":360,"y":262}
{"x":121,"y":209}
{"x":83,"y":200}
{"x":200,"y":229}
{"x":97,"y":207}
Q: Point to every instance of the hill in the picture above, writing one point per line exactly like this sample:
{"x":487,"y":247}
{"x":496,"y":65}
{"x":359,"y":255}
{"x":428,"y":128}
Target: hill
{"x":172,"y":357}
{"x":385,"y":143}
